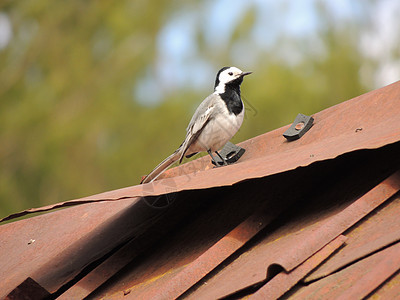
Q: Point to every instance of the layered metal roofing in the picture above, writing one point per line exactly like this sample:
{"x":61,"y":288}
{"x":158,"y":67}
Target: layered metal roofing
{"x":314,"y":218}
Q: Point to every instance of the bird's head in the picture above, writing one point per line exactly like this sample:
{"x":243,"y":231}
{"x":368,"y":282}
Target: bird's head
{"x":228,"y":76}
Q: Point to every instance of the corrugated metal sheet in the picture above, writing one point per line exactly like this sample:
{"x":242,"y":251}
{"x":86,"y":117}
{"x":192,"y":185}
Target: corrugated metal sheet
{"x":257,"y":226}
{"x":29,"y":289}
{"x":370,"y":237}
{"x":200,"y":244}
{"x":356,"y":281}
{"x":377,"y":232}
{"x":369,"y":121}
{"x":389,"y":290}
{"x":284,"y":281}
{"x":205,"y":263}
{"x":184,"y":279}
{"x":53,"y":248}
{"x":299,"y":241}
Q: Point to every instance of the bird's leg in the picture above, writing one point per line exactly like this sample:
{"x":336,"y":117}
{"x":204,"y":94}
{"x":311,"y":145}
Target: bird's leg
{"x":213,"y":159}
{"x":223,"y":160}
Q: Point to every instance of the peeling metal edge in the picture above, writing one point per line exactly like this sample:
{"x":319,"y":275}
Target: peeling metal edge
{"x":138,"y":189}
{"x":56,"y":206}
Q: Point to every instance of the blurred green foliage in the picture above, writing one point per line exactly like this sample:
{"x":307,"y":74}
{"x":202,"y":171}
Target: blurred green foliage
{"x":70,"y":125}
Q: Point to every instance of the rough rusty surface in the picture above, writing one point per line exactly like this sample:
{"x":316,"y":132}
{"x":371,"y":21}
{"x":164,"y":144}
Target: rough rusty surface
{"x":389,"y":290}
{"x":182,"y":280}
{"x":378,"y":231}
{"x":369,"y":121}
{"x":356,"y":281}
{"x":199,"y":244}
{"x":205,"y":263}
{"x":27,"y":290}
{"x":53,"y":248}
{"x":301,"y":239}
{"x":261,"y":224}
{"x":284,"y":281}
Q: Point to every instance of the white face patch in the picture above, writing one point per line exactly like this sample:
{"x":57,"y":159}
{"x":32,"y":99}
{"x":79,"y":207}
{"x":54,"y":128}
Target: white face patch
{"x":226,"y":76}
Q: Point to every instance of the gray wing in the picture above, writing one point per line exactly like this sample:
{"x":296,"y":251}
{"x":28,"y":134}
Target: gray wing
{"x":203,"y":114}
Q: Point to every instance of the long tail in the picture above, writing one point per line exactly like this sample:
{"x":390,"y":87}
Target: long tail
{"x":162,"y":166}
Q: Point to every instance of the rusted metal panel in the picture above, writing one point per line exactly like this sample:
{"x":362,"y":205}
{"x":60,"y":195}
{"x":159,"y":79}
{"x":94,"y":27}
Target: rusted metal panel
{"x":284,"y":281}
{"x":104,"y":271}
{"x":389,"y":290}
{"x":208,"y":236}
{"x":50,"y":207}
{"x":299,"y":242}
{"x":365,"y":122}
{"x":200,"y":267}
{"x":183,"y":279}
{"x":356,"y":281}
{"x":28,"y":290}
{"x":53,"y":248}
{"x":336,"y":130}
{"x":366,"y":238}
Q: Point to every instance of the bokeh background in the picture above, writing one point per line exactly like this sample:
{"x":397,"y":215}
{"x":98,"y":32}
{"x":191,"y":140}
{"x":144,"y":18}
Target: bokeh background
{"x":94,"y":94}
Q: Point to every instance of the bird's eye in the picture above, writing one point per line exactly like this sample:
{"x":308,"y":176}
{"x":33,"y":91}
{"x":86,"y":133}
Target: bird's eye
{"x":230,"y":73}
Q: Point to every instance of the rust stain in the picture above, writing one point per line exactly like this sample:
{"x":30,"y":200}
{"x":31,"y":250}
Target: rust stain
{"x":283,"y":282}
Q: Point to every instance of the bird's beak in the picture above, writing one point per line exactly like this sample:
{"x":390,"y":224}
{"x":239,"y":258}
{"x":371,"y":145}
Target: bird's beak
{"x":245,"y":73}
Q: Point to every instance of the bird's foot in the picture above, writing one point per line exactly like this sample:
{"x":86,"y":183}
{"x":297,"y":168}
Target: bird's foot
{"x":216,"y":162}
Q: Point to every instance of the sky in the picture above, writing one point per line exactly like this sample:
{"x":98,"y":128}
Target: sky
{"x":5,"y":31}
{"x":382,"y":40}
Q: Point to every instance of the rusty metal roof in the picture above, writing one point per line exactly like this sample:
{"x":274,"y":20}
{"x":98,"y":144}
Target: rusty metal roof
{"x":314,"y":218}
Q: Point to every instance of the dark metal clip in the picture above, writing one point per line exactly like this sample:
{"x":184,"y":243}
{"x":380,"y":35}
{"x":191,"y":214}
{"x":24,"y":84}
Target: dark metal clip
{"x":230,"y":153}
{"x":300,"y":126}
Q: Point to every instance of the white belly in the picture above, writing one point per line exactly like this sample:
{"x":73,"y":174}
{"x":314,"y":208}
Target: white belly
{"x":217,"y":132}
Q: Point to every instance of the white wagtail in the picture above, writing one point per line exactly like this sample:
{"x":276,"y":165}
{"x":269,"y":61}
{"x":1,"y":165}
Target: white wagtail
{"x":214,"y":123}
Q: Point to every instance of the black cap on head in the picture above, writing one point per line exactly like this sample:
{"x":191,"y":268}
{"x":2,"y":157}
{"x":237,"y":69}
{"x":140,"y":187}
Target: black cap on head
{"x":217,"y":78}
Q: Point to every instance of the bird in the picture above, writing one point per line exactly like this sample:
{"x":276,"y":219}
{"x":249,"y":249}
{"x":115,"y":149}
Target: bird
{"x":216,"y":120}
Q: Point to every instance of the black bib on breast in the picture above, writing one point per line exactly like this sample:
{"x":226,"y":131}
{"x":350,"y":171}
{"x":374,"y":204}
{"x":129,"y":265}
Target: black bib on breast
{"x":231,"y":96}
